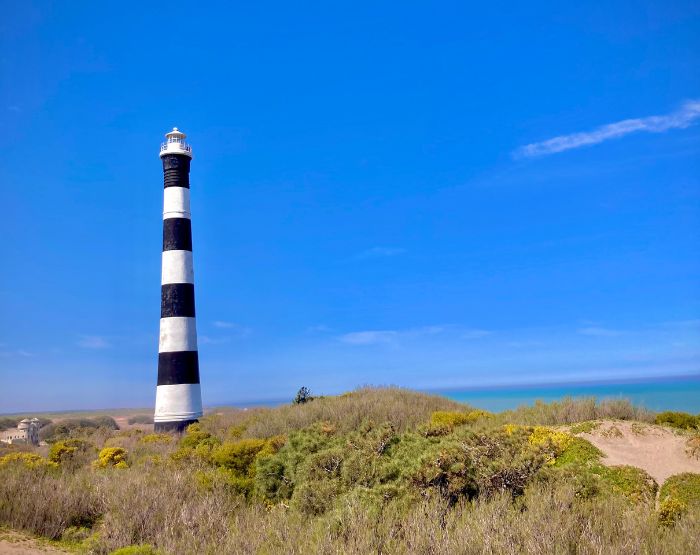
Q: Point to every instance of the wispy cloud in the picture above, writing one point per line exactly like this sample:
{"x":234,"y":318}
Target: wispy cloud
{"x":686,"y":116}
{"x":319,"y":328}
{"x":206,"y":340}
{"x":372,"y":337}
{"x":595,"y":331}
{"x":237,"y":330}
{"x":376,"y":337}
{"x":93,"y":342}
{"x":18,"y":352}
{"x":379,"y":252}
{"x":476,"y":334}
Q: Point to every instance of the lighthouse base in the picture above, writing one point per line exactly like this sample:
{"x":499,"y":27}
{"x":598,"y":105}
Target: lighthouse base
{"x":172,"y":427}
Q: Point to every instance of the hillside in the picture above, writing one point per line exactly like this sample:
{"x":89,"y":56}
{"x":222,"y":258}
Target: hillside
{"x":380,"y":470}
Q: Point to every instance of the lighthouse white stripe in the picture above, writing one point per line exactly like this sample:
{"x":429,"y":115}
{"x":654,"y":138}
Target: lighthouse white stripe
{"x":178,"y":402}
{"x":177,"y":334}
{"x":176,"y":202}
{"x":177,"y":267}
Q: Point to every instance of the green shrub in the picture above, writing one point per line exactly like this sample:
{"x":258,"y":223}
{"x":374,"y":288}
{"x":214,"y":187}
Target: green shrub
{"x":141,"y":419}
{"x":145,"y":549}
{"x":8,"y":422}
{"x":238,"y":456}
{"x":629,"y":481}
{"x":303,"y":396}
{"x":584,"y":427}
{"x":681,"y":420}
{"x":72,"y":427}
{"x":579,"y":451}
{"x":682,"y":487}
{"x":315,"y":497}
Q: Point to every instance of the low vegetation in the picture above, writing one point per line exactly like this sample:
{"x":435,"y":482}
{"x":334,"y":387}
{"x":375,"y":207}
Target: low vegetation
{"x":76,"y":427}
{"x":141,"y":419}
{"x":680,"y":420}
{"x":378,"y":470}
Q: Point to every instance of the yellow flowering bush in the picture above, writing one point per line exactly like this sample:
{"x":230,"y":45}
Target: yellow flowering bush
{"x":31,"y":460}
{"x":552,"y":441}
{"x":443,"y":422}
{"x":112,"y":457}
{"x":156,"y":438}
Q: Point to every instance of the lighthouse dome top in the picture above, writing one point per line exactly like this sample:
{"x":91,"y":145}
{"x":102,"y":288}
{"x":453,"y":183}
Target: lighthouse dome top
{"x":175,"y":144}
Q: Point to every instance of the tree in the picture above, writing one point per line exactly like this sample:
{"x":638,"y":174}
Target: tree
{"x":303,"y":396}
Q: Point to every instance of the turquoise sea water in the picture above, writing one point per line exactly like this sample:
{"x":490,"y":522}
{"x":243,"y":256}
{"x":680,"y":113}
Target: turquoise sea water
{"x":682,"y":394}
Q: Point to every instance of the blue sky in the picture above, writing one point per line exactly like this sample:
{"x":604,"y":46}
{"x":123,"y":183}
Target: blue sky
{"x":430,"y":195}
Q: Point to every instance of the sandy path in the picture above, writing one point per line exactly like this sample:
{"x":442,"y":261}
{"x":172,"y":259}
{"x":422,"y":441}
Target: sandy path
{"x":12,"y":543}
{"x":658,"y":450}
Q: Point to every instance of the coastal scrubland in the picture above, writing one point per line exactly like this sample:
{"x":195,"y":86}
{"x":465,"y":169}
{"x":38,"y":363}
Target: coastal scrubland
{"x":377,"y":470}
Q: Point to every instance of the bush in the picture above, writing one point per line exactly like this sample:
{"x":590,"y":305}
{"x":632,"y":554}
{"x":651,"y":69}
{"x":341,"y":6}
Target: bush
{"x":112,"y":457}
{"x":141,"y":419}
{"x":629,"y":481}
{"x":681,"y":420}
{"x":72,"y":427}
{"x":72,"y":452}
{"x":443,"y":422}
{"x":573,"y":411}
{"x":683,"y":487}
{"x":30,"y":460}
{"x":578,"y":451}
{"x":303,"y":396}
{"x":156,"y":438}
{"x":145,"y":549}
{"x":46,"y":503}
{"x":670,"y":510}
{"x":8,"y":422}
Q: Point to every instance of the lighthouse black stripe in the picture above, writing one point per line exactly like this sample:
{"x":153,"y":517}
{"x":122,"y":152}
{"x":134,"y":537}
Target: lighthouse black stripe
{"x":178,"y":368}
{"x":177,"y":299}
{"x":176,"y":171}
{"x":177,"y":234}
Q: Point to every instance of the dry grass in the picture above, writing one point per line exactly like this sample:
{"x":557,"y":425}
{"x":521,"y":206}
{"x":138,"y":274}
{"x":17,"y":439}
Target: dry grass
{"x":170,"y":512}
{"x":572,"y":410}
{"x":403,"y":408}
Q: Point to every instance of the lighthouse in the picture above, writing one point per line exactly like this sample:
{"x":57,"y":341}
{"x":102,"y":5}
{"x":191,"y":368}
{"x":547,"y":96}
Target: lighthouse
{"x":178,"y":394}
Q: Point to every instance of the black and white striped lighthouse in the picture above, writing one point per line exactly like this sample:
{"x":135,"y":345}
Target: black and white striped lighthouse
{"x":178,"y":395}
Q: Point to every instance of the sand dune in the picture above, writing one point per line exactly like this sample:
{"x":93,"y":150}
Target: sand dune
{"x":659,"y":450}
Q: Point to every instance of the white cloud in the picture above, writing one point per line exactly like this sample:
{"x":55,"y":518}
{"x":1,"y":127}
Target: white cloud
{"x":476,"y":334}
{"x":236,"y":329}
{"x":379,"y":252}
{"x":206,"y":340}
{"x":373,"y":337}
{"x":599,"y":332}
{"x":93,"y":342}
{"x":686,"y":116}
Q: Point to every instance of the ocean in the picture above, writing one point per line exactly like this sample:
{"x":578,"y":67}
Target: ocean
{"x":659,"y":394}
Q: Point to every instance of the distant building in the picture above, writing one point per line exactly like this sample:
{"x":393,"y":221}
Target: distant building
{"x":27,"y":431}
